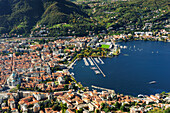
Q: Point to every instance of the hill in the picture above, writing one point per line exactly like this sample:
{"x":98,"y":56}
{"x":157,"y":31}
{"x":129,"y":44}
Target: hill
{"x":19,"y":16}
{"x":129,"y":16}
{"x":83,"y":17}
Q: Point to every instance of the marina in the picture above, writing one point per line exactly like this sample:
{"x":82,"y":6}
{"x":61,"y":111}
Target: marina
{"x":92,"y":64}
{"x":101,"y":60}
{"x":126,"y":75}
{"x":99,"y":68}
{"x":96,"y":60}
{"x":85,"y":61}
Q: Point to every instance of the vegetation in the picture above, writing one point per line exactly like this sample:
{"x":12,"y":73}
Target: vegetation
{"x":63,"y":17}
{"x":90,"y":52}
{"x":105,"y":46}
{"x":160,"y":111}
{"x":20,"y":16}
{"x":56,"y":106}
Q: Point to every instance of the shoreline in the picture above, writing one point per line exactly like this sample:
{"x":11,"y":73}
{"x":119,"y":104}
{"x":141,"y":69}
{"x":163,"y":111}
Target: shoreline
{"x":123,"y":93}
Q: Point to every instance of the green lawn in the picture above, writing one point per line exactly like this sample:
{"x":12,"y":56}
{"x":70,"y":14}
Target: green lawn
{"x":105,"y":46}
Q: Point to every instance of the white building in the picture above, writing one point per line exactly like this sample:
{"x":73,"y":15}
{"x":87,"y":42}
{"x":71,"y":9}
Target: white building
{"x":13,"y":80}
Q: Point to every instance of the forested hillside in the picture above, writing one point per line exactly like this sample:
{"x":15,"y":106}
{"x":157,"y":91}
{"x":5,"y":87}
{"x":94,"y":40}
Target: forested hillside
{"x":19,"y":16}
{"x":82,"y":17}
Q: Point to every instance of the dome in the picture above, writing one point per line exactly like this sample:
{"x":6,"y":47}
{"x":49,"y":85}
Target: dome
{"x":13,"y":74}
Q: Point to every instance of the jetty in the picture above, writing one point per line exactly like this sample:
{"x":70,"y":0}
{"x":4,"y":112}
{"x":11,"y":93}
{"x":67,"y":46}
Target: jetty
{"x":96,"y":87}
{"x":99,"y":68}
{"x":85,"y":61}
{"x":90,"y":61}
{"x":101,"y":60}
{"x":96,"y":60}
{"x":71,"y":65}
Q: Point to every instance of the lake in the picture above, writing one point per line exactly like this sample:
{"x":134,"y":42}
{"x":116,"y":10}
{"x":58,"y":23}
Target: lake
{"x":131,"y":71}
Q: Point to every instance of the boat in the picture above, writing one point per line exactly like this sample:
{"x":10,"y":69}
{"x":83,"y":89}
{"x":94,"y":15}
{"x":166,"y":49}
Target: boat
{"x":97,"y":72}
{"x":152,"y":82}
{"x":125,"y":54}
{"x":93,"y":68}
{"x":140,"y":96}
{"x":72,"y":74}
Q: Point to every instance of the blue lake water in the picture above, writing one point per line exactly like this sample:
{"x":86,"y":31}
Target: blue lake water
{"x":131,"y":71}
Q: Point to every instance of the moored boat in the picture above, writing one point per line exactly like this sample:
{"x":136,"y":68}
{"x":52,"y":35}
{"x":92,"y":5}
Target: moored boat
{"x":152,"y":82}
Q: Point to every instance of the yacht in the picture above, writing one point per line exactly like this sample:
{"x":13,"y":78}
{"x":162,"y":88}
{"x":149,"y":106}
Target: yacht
{"x":152,"y":82}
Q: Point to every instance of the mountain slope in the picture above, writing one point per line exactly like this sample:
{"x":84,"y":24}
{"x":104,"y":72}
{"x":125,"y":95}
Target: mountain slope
{"x":59,"y":12}
{"x":19,"y":16}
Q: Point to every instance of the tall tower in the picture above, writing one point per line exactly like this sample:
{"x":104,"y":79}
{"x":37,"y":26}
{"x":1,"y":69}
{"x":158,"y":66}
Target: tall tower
{"x":13,"y":62}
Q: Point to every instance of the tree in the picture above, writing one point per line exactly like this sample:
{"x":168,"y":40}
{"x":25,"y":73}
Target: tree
{"x":97,"y":111}
{"x":80,"y":110}
{"x":103,"y":105}
{"x":167,"y":110}
{"x":66,"y":87}
{"x":63,"y":107}
{"x":117,"y":105}
{"x":163,"y":93}
{"x":122,"y":108}
{"x":18,"y":86}
{"x":55,"y":107}
{"x":106,"y":109}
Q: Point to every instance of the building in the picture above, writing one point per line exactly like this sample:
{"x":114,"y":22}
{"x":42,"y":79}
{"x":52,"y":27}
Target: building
{"x":13,"y":80}
{"x":36,"y":108}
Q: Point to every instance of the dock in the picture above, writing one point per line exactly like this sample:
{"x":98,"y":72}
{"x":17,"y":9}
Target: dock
{"x":96,"y":87}
{"x":99,"y":68}
{"x":101,"y":60}
{"x":85,"y":61}
{"x":96,"y":60}
{"x":71,"y":65}
{"x":90,"y":61}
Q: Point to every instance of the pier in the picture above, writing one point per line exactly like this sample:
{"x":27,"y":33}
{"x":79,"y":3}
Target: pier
{"x":102,"y":88}
{"x":85,"y":61}
{"x":90,"y":61}
{"x":99,"y":68}
{"x":96,"y":60}
{"x":101,"y":60}
{"x":70,"y":66}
